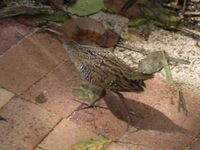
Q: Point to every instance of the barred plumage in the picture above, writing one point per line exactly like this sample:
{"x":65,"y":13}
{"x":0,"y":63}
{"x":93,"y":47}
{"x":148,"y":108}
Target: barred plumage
{"x":103,"y":69}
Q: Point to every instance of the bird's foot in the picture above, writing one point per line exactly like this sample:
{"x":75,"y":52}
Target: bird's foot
{"x":90,"y":106}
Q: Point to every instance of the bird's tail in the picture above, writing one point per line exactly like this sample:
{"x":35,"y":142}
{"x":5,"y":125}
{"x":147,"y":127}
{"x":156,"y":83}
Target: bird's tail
{"x":141,"y":76}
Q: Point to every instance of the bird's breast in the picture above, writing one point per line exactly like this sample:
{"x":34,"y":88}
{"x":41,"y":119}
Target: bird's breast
{"x":85,"y":72}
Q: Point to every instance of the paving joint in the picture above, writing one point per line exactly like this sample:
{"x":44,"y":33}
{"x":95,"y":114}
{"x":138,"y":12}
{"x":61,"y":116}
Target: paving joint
{"x":129,"y":143}
{"x":20,"y":41}
{"x":9,"y":99}
{"x":194,"y":140}
{"x":44,"y":76}
{"x":48,"y":133}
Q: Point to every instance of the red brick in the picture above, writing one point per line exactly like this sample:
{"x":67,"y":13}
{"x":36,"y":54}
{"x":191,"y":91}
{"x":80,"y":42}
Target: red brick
{"x":57,"y":88}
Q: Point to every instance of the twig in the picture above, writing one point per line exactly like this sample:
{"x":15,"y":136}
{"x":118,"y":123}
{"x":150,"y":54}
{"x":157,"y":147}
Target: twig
{"x":135,"y":49}
{"x":191,"y":33}
{"x":191,"y":14}
{"x":23,"y":10}
{"x":180,"y":61}
{"x":87,"y":103}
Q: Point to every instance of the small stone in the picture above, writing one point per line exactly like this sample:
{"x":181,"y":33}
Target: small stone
{"x":41,"y":98}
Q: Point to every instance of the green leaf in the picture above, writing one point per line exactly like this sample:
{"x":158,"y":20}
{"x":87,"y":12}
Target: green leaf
{"x":137,"y":22}
{"x":99,"y":144}
{"x":167,"y":70}
{"x":86,"y":93}
{"x":168,"y":74}
{"x":86,"y":7}
{"x":161,"y":16}
{"x":181,"y":103}
{"x":53,"y":17}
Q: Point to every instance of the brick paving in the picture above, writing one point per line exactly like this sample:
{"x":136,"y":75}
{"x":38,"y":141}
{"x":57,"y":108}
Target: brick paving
{"x":36,"y":80}
{"x":11,"y":33}
{"x":70,"y":132}
{"x":57,"y":88}
{"x":29,"y":61}
{"x":25,"y":126}
{"x":5,"y":96}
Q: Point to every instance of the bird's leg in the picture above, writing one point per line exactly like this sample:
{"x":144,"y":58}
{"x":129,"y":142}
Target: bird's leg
{"x":102,"y":94}
{"x":126,"y":108}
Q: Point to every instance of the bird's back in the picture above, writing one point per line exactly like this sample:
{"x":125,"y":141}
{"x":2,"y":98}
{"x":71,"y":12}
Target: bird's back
{"x":102,"y":68}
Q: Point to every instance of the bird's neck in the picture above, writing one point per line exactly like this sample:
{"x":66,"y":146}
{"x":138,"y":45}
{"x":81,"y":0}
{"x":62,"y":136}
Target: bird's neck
{"x":69,"y":50}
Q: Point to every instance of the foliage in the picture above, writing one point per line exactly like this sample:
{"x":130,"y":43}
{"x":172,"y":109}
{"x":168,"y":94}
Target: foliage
{"x":86,"y":7}
{"x":99,"y":144}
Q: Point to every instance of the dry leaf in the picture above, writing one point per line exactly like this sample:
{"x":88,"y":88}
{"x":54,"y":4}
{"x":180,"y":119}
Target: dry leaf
{"x":108,"y":39}
{"x":131,"y":35}
{"x":99,"y":144}
{"x":89,"y":31}
{"x":131,"y":12}
{"x":152,"y":63}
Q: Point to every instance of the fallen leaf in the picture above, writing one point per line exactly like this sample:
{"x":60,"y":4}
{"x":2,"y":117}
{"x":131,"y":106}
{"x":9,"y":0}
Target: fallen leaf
{"x":57,"y":3}
{"x":131,"y":12}
{"x":89,"y":32}
{"x":131,"y":35}
{"x":152,"y":63}
{"x":83,"y":30}
{"x":53,"y":17}
{"x":160,"y":16}
{"x":181,"y":103}
{"x":86,"y":7}
{"x":99,"y":144}
{"x":137,"y":22}
{"x":166,"y":68}
{"x":108,"y":39}
{"x":86,"y":93}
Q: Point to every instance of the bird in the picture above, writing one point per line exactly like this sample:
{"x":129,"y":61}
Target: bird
{"x":103,"y":69}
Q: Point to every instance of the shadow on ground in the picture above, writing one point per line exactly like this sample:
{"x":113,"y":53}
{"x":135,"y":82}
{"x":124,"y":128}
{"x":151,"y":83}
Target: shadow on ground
{"x":142,"y":116}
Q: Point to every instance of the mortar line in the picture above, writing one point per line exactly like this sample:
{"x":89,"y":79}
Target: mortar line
{"x":194,"y":140}
{"x":9,"y":98}
{"x":43,"y":76}
{"x":48,"y":133}
{"x":20,"y":41}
